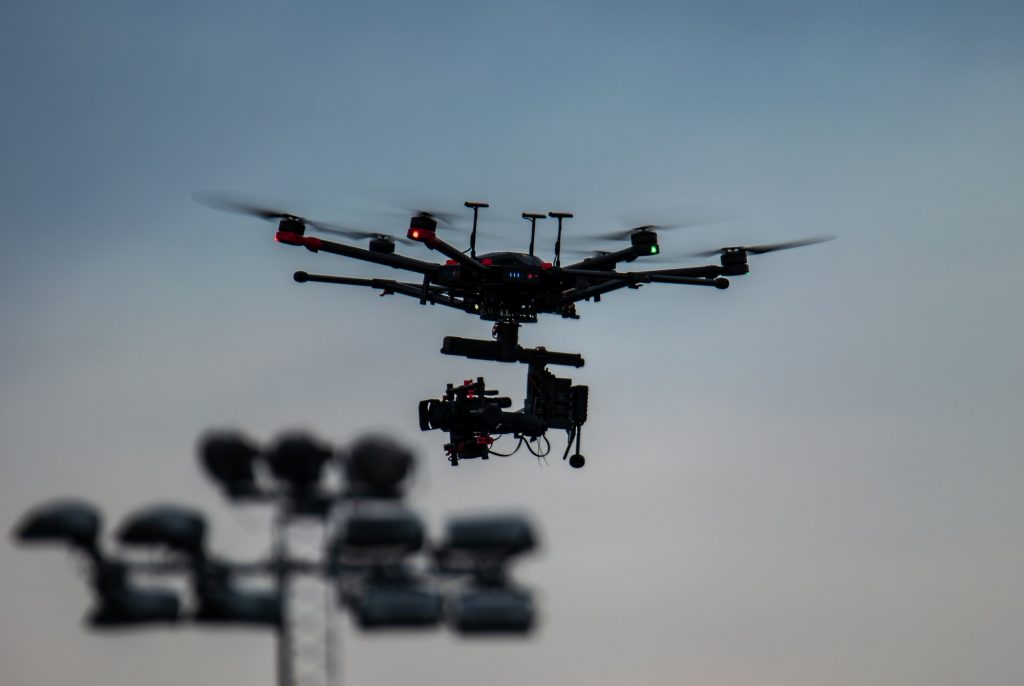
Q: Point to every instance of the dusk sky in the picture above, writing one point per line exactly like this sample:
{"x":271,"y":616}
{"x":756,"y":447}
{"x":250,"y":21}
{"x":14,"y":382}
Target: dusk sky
{"x":813,"y":478}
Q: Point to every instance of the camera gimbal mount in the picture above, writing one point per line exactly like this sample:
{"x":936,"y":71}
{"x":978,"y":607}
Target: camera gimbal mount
{"x":474,"y":416}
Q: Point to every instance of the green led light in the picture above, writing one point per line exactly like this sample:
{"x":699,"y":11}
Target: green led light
{"x":654,"y":250}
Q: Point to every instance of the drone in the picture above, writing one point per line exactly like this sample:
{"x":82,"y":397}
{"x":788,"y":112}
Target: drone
{"x":509,"y":288}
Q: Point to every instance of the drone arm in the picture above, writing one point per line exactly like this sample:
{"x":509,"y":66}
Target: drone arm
{"x":314,"y":244}
{"x":719,"y":283}
{"x":589,"y":292}
{"x":608,"y":260}
{"x":710,"y":271}
{"x":667,"y":276}
{"x":616,"y":280}
{"x":434,"y":295}
{"x":430,"y":239}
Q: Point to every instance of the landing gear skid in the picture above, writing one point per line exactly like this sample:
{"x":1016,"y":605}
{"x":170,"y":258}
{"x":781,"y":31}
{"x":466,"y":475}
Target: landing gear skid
{"x":576,"y":461}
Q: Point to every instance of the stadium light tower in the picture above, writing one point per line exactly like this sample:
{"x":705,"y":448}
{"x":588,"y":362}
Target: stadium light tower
{"x":374,"y":556}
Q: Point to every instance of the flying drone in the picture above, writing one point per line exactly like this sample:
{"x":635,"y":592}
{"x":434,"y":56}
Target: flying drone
{"x":509,"y":288}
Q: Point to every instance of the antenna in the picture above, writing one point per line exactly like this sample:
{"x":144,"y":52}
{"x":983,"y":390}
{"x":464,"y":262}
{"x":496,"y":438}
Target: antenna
{"x":472,"y":237}
{"x":533,"y":226}
{"x":558,"y":241}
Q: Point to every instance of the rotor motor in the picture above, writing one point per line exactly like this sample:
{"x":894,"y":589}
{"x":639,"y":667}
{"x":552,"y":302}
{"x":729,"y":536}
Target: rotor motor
{"x":734,"y":262}
{"x":423,"y":222}
{"x":291,"y":225}
{"x":645,"y":240}
{"x":381,"y":244}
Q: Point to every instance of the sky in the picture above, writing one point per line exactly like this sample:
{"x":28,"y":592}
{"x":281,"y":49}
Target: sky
{"x":810,"y":478}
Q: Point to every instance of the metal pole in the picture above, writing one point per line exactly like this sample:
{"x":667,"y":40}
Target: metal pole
{"x":284,"y":643}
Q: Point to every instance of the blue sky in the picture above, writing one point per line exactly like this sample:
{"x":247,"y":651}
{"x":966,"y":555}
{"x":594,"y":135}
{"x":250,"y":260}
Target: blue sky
{"x":810,"y":478}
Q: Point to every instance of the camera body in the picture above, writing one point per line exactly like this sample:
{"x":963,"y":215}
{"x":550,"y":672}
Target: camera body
{"x":554,"y":399}
{"x":473,"y":416}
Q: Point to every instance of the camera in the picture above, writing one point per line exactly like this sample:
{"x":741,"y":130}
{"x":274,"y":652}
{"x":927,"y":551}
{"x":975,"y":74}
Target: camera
{"x":473,"y":415}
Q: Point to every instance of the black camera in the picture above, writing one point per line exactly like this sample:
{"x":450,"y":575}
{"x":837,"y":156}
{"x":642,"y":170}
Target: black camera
{"x":472,"y":415}
{"x":468,"y":407}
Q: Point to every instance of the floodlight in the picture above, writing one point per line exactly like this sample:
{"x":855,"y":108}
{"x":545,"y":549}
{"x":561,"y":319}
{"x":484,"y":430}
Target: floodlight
{"x":378,"y":529}
{"x":178,"y":528}
{"x":73,"y":522}
{"x":392,"y":606}
{"x":298,"y":459}
{"x":501,"y":536}
{"x":136,"y":606}
{"x":492,"y":610}
{"x":228,"y":457}
{"x":226,"y":605}
{"x":120,"y":603}
{"x":378,"y":465}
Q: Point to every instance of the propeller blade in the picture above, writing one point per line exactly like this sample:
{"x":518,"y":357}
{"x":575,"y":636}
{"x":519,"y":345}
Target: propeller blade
{"x":407,"y":205}
{"x":772,"y":247}
{"x":765,"y":248}
{"x":623,"y":235}
{"x":357,"y":234}
{"x":585,"y":253}
{"x":665,"y":219}
{"x":238,"y":205}
{"x":705,"y":253}
{"x":448,"y":218}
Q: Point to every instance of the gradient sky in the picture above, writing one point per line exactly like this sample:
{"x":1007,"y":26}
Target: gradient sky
{"x":812,"y":478}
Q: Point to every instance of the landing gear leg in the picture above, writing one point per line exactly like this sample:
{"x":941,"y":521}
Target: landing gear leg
{"x":577,"y":460}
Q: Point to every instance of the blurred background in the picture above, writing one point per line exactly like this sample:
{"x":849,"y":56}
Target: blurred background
{"x":810,"y":478}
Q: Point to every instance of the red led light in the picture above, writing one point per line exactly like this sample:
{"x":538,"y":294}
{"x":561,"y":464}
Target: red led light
{"x":288,"y":238}
{"x":487,"y":261}
{"x":545,"y":265}
{"x":450,"y":263}
{"x":422,"y":235}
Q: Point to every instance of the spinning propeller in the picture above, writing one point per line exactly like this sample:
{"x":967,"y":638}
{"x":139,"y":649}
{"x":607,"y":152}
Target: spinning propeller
{"x":765,"y":248}
{"x":406,"y":204}
{"x":290,"y":222}
{"x":626,"y":234}
{"x":360,"y":235}
{"x":662,"y":219}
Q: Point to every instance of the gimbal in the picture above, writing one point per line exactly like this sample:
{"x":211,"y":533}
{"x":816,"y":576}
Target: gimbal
{"x":474,"y":416}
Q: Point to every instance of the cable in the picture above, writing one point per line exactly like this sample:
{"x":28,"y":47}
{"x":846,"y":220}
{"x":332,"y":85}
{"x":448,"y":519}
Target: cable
{"x":544,"y":456}
{"x":547,"y":448}
{"x":509,"y":454}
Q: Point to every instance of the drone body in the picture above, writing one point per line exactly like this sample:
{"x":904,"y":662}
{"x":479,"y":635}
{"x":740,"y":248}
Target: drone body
{"x":503,"y":286}
{"x":508,"y":288}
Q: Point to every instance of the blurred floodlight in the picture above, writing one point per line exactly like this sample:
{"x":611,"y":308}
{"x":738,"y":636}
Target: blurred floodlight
{"x":226,"y":605}
{"x":375,"y":529}
{"x":377,"y":465}
{"x":492,"y":610}
{"x":228,"y":457}
{"x":178,"y":528}
{"x":490,"y":535}
{"x":73,"y":522}
{"x":121,"y":603}
{"x":133,"y":606}
{"x":298,"y":459}
{"x":394,"y":606}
